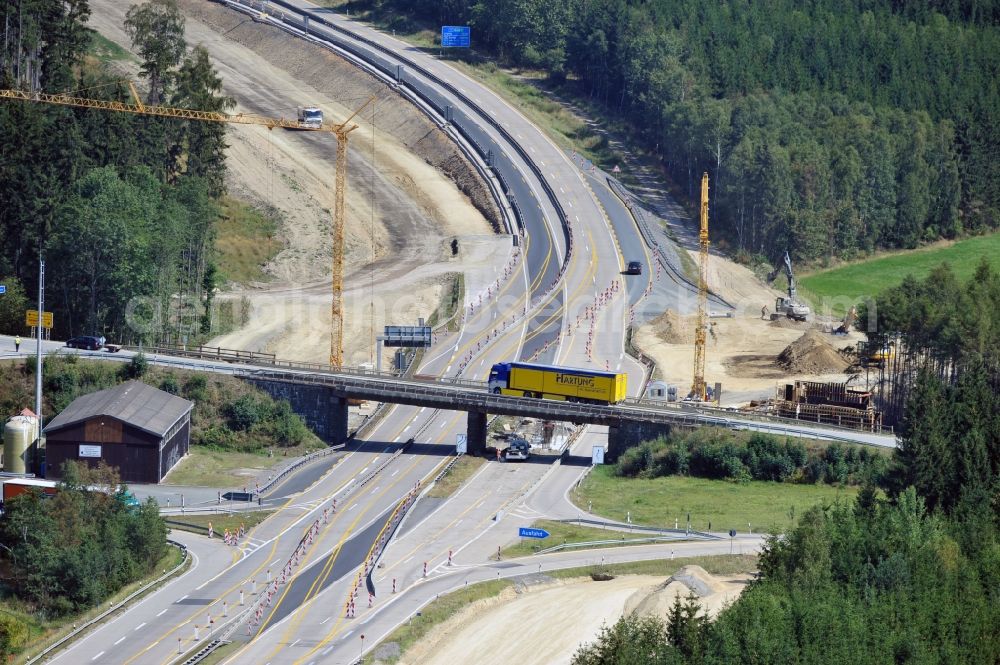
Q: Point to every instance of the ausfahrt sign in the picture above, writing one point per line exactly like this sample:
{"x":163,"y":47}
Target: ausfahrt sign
{"x":526,"y":532}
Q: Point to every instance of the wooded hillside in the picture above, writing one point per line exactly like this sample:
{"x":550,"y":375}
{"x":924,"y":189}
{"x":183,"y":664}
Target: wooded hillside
{"x":121,"y":205}
{"x":827,"y":127}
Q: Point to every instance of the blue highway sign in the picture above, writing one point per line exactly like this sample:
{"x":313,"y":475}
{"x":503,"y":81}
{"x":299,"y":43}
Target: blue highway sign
{"x":455,"y":36}
{"x":525,"y":532}
{"x":3,"y":288}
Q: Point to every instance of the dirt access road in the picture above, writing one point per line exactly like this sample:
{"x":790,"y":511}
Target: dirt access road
{"x":410,"y":191}
{"x":545,"y":625}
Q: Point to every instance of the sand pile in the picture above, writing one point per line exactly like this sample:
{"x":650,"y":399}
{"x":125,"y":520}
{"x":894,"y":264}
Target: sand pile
{"x":712,"y":592}
{"x":789,"y":324}
{"x":812,"y":354}
{"x":672,"y":328}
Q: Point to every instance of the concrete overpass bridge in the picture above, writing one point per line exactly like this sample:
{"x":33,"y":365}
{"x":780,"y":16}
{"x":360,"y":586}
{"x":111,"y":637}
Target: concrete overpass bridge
{"x":321,"y":397}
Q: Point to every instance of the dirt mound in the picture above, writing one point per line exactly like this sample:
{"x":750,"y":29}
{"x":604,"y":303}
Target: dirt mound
{"x":789,"y":324}
{"x":812,"y":354}
{"x":713,"y":592}
{"x":672,"y":328}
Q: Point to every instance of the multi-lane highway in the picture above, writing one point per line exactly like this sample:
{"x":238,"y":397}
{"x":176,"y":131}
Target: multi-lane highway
{"x":565,"y":301}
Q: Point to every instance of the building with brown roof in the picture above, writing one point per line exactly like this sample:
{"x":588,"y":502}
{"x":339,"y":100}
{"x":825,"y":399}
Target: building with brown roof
{"x":139,"y":429}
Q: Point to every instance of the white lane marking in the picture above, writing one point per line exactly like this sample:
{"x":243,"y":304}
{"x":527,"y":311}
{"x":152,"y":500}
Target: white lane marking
{"x":326,"y":650}
{"x":394,"y":473}
{"x":293,"y":643}
{"x":348,"y":634}
{"x":447,"y":369}
{"x":120,"y":640}
{"x":325,"y":620}
{"x":353,"y":506}
{"x":180,"y":599}
{"x":406,"y":429}
{"x":162,"y":612}
{"x":375,"y":489}
{"x":98,"y":656}
{"x":408,"y":559}
{"x":570,"y":203}
{"x":139,"y":626}
{"x":203,"y":584}
{"x":363,"y":470}
{"x":443,"y":424}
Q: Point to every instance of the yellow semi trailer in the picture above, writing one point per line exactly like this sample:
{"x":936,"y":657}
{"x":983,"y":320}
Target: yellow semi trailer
{"x":559,"y":383}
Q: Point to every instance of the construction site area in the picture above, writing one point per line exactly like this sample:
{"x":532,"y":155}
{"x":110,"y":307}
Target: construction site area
{"x":416,"y":215}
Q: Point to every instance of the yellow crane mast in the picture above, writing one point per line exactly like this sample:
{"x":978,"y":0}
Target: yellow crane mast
{"x":698,"y":391}
{"x":340,"y":130}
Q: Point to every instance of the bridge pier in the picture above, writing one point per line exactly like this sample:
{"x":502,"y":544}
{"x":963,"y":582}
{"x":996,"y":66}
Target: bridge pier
{"x":337,"y":419}
{"x":476,"y":433}
{"x":627,"y":434}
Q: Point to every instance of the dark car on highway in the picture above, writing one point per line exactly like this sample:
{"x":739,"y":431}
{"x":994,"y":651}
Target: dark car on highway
{"x":634,"y":268}
{"x":86,"y":342}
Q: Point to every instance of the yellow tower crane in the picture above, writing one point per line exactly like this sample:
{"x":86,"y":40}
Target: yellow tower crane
{"x":340,"y":130}
{"x":698,"y":391}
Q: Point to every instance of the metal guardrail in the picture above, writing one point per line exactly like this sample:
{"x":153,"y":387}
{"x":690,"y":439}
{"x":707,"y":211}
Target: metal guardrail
{"x":620,"y":541}
{"x":305,"y":459}
{"x":114,"y":608}
{"x":675,"y":272}
{"x":207,"y":352}
{"x":604,"y":524}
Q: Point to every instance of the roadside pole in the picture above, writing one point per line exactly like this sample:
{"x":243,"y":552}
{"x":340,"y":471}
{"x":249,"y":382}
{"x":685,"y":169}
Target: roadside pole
{"x":38,"y":348}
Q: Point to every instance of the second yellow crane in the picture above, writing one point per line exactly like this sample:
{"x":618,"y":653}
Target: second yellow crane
{"x":340,"y":130}
{"x":698,"y":387}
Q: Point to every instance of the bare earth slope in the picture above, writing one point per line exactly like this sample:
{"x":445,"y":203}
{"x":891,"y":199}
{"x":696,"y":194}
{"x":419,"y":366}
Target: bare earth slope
{"x":545,"y":625}
{"x":403,"y":204}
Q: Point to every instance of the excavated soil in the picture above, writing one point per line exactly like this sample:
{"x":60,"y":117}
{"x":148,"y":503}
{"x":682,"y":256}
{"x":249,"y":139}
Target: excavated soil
{"x":409,"y":189}
{"x":812,"y":354}
{"x":673,"y":328}
{"x":548,"y":634}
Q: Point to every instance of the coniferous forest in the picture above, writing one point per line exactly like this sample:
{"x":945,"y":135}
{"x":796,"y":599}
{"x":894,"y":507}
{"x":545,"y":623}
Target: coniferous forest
{"x":909,"y":572}
{"x":122,"y":206}
{"x":829,"y":128}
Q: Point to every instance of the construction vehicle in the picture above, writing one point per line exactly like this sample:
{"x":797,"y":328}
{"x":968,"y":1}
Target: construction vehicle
{"x":340,"y":130}
{"x":876,"y":354}
{"x":310,"y":117}
{"x":519,"y":449}
{"x":699,"y":390}
{"x":790,"y":306}
{"x":849,"y":319}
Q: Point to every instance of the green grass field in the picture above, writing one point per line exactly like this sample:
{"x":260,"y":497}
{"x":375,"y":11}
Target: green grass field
{"x":766,"y":506}
{"x":833,"y":290}
{"x":561,"y":533}
{"x":205,"y":467}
